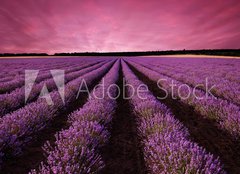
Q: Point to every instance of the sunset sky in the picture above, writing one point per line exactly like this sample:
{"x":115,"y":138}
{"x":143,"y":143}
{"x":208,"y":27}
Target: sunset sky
{"x":127,"y":25}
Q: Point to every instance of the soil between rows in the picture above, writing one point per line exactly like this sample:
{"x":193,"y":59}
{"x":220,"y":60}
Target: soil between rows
{"x":197,"y":87}
{"x":51,"y":89}
{"x":203,"y":131}
{"x":123,"y":154}
{"x":33,"y":153}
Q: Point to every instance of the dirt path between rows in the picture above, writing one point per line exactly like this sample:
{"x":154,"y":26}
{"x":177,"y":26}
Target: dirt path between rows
{"x":202,"y":131}
{"x":33,"y":153}
{"x":193,"y":86}
{"x":123,"y":153}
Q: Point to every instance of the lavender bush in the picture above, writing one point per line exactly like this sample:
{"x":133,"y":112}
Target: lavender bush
{"x":76,"y":148}
{"x":18,"y":127}
{"x":167,"y":148}
{"x":226,"y":114}
{"x":16,"y":99}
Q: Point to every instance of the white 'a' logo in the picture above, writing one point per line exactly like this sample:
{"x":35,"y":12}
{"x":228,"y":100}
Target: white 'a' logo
{"x":31,"y":76}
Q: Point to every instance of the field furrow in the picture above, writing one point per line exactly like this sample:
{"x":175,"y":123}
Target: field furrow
{"x":202,"y":130}
{"x":123,"y":153}
{"x":17,"y":98}
{"x":18,"y":128}
{"x":105,"y":115}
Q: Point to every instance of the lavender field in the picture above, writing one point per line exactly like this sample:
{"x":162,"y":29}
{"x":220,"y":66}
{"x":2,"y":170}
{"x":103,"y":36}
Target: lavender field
{"x":155,"y":115}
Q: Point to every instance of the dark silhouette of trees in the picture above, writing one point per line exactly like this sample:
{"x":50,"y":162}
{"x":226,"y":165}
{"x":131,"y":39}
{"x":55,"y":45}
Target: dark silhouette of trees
{"x":218,"y":52}
{"x":22,"y":54}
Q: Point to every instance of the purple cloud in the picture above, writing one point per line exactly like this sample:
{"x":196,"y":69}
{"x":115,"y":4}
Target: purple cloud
{"x":94,"y":25}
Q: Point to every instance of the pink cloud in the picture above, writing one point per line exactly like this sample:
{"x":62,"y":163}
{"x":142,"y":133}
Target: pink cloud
{"x":94,"y":25}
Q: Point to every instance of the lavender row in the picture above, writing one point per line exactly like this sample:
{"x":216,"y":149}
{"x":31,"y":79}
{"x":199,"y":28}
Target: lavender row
{"x":19,"y":82}
{"x":16,"y":67}
{"x":227,"y":69}
{"x":217,"y":68}
{"x":167,"y":148}
{"x":76,"y":148}
{"x":16,"y":99}
{"x":226,"y":115}
{"x":17,"y":128}
{"x":13,"y":71}
{"x":223,"y":88}
{"x":43,"y":67}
